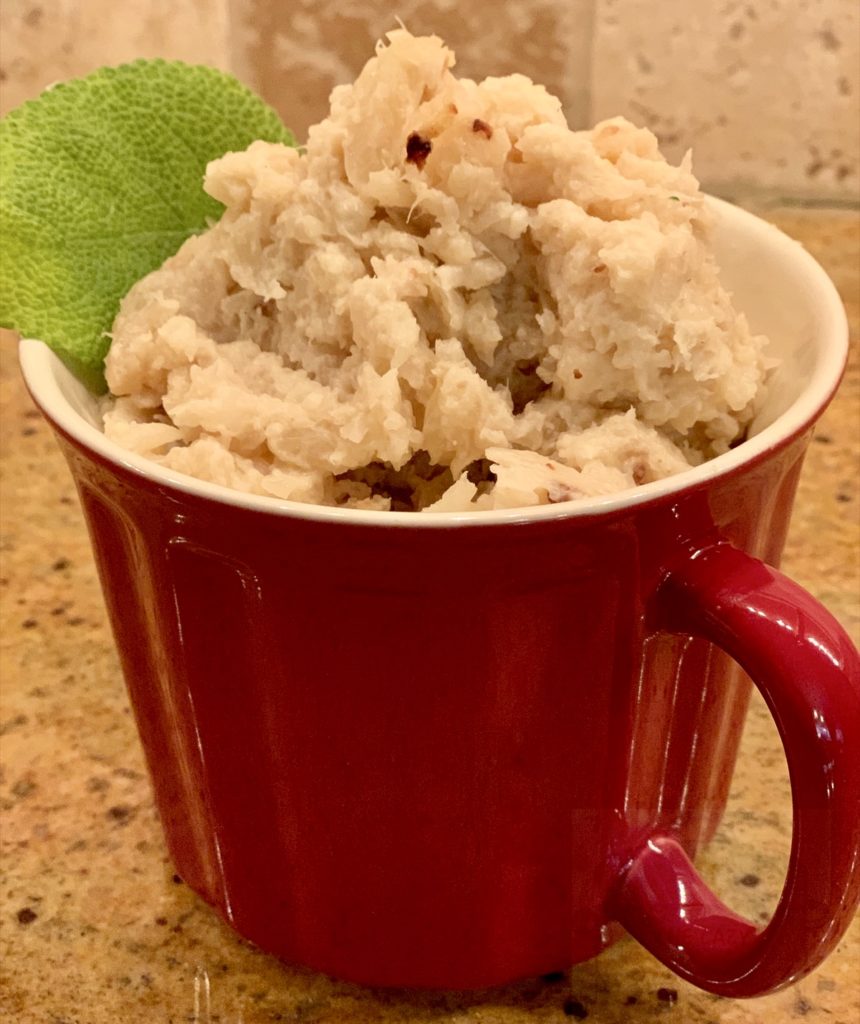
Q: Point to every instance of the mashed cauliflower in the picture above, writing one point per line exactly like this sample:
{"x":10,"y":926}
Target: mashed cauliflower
{"x":446,"y":301}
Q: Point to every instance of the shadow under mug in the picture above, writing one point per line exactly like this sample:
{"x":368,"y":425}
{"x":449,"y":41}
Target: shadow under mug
{"x":456,"y":750}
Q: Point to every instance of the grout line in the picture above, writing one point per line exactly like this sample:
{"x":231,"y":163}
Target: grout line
{"x":579,"y":19}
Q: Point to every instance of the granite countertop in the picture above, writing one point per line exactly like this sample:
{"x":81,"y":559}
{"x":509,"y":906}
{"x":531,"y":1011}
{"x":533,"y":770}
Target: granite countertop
{"x":97,"y":929}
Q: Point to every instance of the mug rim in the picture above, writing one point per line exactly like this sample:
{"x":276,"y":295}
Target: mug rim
{"x":40,"y":368}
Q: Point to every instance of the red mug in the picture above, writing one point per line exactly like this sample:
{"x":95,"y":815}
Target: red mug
{"x":459,"y":749}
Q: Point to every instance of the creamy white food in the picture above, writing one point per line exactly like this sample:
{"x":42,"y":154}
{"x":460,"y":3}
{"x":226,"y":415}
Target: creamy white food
{"x":446,"y":301}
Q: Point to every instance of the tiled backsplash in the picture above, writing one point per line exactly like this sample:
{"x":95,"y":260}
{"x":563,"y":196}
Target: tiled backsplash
{"x":766,"y":92}
{"x":295,"y":52}
{"x":45,"y":41}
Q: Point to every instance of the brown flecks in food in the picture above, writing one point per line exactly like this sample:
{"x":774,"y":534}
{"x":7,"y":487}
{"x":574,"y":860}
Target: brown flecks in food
{"x":26,"y":915}
{"x":161,"y":921}
{"x":452,"y":108}
{"x":28,"y":431}
{"x":639,"y":471}
{"x":802,"y":1006}
{"x":631,"y":1000}
{"x":823,"y":439}
{"x":667,"y":995}
{"x":577,"y":374}
{"x":177,"y":880}
{"x":510,"y":304}
{"x":479,"y":472}
{"x":417,"y":150}
{"x":599,"y":268}
{"x":415,"y":485}
{"x":60,"y":564}
{"x":525,"y":384}
{"x":750,"y":881}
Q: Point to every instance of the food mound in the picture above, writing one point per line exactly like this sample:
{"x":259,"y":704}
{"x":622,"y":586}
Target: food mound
{"x":446,"y":301}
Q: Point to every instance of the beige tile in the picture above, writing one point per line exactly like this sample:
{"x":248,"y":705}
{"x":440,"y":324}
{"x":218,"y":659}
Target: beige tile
{"x":764,"y":91}
{"x":50,"y":41}
{"x":296,"y":53}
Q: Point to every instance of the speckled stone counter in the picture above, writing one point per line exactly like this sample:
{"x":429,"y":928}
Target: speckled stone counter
{"x":96,"y":928}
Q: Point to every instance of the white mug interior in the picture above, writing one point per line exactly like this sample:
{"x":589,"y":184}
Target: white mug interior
{"x":783,"y":291}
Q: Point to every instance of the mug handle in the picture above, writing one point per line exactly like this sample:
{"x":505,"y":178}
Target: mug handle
{"x":808,"y":672}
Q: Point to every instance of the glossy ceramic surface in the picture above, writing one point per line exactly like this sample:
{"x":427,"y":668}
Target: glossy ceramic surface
{"x":324,"y":709}
{"x":457,"y":751}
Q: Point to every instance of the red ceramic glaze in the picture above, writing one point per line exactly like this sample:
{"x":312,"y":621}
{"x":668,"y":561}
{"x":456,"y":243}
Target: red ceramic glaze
{"x":455,"y":751}
{"x":809,"y":674}
{"x":453,"y":757}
